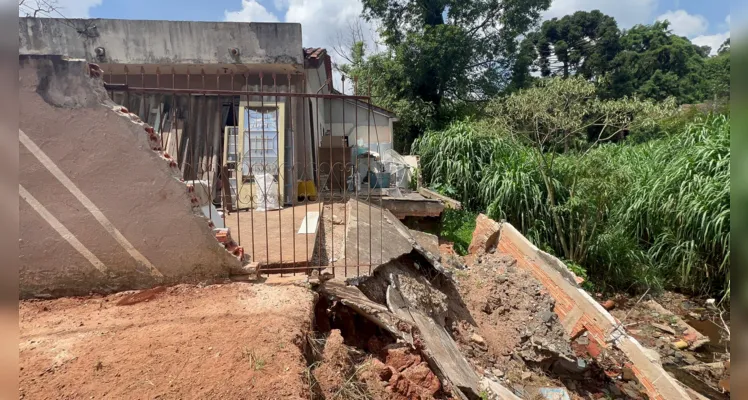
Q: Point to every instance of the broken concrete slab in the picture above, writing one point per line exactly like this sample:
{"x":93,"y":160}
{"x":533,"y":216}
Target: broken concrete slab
{"x":439,"y":348}
{"x":694,"y":338}
{"x":448,"y":201}
{"x":371,"y":236}
{"x":377,"y":313}
{"x":414,"y":328}
{"x":499,"y":392}
{"x":375,"y":237}
{"x":428,"y":241}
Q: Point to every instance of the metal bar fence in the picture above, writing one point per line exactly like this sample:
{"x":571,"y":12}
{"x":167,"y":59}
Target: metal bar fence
{"x":283,"y":133}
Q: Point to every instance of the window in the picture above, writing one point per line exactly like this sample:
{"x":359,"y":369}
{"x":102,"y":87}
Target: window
{"x":260,"y":144}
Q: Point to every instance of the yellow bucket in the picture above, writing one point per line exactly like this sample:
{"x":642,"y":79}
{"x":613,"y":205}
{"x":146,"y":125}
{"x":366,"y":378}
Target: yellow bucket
{"x":306,"y":190}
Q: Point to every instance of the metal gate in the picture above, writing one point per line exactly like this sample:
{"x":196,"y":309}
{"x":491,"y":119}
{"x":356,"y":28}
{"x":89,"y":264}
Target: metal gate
{"x":265,"y":140}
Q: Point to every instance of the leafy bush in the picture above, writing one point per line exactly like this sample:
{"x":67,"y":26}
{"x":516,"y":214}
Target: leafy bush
{"x":456,"y":157}
{"x":457,"y":227}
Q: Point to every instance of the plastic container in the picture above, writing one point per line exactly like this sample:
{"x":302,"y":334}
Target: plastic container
{"x":380,"y":180}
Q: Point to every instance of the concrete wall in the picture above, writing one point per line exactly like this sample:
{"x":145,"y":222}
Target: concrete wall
{"x":162,"y":42}
{"x":100,"y":211}
{"x":579,"y":312}
{"x":361,"y":124}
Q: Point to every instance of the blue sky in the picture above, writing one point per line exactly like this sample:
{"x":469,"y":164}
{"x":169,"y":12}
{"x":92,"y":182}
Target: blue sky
{"x":704,"y":21}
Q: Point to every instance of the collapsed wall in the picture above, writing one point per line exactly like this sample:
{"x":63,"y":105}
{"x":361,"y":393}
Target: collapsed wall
{"x":580,"y":313}
{"x":101,"y":209}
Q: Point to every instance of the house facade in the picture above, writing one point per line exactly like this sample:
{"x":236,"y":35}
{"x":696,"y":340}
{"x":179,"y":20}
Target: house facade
{"x":231,"y":101}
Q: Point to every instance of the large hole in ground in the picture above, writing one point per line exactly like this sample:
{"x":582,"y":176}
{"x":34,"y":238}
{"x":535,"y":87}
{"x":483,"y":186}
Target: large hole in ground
{"x":350,"y":357}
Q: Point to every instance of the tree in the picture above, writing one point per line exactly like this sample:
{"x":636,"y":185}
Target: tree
{"x":35,"y":8}
{"x":657,"y":64}
{"x":717,"y":74}
{"x":583,"y":43}
{"x":444,"y":53}
{"x":547,"y":117}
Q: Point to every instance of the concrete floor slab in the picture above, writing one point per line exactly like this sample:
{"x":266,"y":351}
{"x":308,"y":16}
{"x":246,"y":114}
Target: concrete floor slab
{"x":272,"y":238}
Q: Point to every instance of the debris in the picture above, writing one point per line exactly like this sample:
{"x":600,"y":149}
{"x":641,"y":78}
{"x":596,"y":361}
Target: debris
{"x":693,"y":337}
{"x":579,"y":312}
{"x":478,"y":339}
{"x":609,"y":305}
{"x":663,"y":328}
{"x":139,"y":297}
{"x":556,"y":393}
{"x":499,"y":391}
{"x":680,"y":345}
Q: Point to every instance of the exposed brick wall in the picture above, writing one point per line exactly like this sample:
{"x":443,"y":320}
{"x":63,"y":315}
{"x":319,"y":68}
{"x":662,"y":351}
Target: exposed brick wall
{"x":580,"y":313}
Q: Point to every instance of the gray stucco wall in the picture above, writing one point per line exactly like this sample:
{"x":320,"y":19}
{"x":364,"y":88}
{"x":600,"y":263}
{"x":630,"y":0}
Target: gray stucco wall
{"x":106,"y":157}
{"x":162,"y":42}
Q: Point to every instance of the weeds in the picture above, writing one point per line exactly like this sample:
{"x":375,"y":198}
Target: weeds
{"x":637,"y":216}
{"x":457,"y":227}
{"x":256,"y":362}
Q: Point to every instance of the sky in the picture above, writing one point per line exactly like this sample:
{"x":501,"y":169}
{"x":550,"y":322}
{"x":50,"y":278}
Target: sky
{"x":705,"y":22}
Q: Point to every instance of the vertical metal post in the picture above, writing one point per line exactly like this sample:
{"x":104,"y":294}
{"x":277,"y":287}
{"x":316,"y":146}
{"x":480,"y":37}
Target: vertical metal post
{"x":332,"y":197}
{"x":356,"y":175}
{"x":345,"y":183}
{"x":293,"y":171}
{"x":264,"y":166}
{"x":368,"y":167}
{"x":320,"y":202}
{"x":249,"y":163}
{"x":280,"y":172}
{"x":237,"y":166}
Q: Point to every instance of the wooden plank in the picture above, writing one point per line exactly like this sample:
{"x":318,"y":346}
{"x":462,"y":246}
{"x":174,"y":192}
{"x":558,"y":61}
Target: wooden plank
{"x":449,"y":202}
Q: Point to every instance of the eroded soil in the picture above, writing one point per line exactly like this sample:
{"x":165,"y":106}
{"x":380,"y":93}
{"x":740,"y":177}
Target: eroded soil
{"x":221,"y":341}
{"x":518,"y":340}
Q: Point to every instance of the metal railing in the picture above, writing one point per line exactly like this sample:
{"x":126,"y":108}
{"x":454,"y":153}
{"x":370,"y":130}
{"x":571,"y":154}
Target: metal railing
{"x":279,"y":127}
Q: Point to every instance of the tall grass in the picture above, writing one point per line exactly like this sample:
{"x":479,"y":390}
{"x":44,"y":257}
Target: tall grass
{"x":456,"y":157}
{"x":636,"y":216}
{"x":679,"y":207}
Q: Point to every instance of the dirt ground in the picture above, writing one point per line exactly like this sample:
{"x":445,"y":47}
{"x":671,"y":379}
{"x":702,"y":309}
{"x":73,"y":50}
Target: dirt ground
{"x":232,"y":341}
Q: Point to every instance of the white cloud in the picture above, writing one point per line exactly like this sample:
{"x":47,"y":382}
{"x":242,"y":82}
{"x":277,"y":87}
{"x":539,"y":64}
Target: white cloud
{"x":323,"y":22}
{"x":727,"y":20}
{"x":713,"y":41}
{"x":684,"y":24}
{"x":67,"y":8}
{"x":251,"y":11}
{"x":626,"y":12}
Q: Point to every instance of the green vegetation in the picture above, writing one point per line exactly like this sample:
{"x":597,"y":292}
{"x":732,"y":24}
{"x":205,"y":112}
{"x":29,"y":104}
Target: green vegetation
{"x":606,"y":147}
{"x":457,"y":227}
{"x":629,"y":216}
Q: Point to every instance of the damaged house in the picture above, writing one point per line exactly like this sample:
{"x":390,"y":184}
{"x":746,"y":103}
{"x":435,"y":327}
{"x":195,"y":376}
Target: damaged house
{"x":243,"y":113}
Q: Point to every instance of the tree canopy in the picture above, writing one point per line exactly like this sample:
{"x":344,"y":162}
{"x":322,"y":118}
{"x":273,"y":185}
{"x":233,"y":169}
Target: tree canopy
{"x":646,"y":61}
{"x":442,"y":54}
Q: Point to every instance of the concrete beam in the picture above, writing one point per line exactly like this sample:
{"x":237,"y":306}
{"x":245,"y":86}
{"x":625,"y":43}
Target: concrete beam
{"x":162,"y":42}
